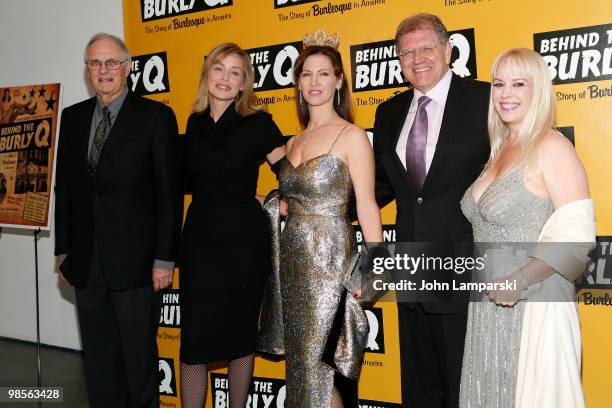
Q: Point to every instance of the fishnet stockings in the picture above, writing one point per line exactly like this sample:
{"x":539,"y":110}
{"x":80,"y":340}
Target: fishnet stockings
{"x":194,"y":381}
{"x":240,"y":373}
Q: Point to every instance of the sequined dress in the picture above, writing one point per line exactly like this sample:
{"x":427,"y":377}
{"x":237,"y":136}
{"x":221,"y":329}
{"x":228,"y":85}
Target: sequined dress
{"x":315,"y":249}
{"x":506,"y":212}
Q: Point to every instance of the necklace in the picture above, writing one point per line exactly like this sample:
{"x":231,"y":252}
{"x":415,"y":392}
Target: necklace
{"x":310,"y":130}
{"x":307,"y":134}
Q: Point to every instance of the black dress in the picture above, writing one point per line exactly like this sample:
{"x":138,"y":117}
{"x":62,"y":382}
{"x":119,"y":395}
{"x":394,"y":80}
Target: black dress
{"x":225,"y":248}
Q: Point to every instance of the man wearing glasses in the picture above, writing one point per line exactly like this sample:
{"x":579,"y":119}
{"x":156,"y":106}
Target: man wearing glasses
{"x":430,"y":143}
{"x":117,"y":223}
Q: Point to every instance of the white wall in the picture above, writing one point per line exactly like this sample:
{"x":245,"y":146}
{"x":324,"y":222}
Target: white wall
{"x":42,"y":42}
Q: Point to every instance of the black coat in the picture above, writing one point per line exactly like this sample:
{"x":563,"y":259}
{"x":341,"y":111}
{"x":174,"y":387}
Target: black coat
{"x":132,"y":207}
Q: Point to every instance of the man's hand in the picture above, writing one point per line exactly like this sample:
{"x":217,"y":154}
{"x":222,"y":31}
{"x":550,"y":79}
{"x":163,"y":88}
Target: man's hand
{"x":162,"y":278}
{"x":58,"y":262}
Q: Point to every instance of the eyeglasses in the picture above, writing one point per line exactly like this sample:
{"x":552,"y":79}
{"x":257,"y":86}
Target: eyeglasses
{"x":111,"y":64}
{"x":410,"y":53}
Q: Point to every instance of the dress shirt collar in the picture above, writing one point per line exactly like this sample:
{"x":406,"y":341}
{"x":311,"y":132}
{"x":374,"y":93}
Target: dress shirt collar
{"x":114,"y":106}
{"x":438,"y":93}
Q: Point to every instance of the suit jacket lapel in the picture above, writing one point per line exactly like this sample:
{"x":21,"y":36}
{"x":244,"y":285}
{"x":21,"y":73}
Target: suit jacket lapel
{"x":119,"y":127}
{"x":451,"y":119}
{"x":84,"y":129}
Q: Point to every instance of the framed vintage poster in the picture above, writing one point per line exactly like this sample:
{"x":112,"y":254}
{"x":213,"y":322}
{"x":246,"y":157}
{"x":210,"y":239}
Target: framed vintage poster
{"x":28,"y":138}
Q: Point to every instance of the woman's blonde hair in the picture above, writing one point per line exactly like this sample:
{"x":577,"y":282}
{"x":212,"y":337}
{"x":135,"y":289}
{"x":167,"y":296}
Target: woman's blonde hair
{"x":540,"y":114}
{"x":246,"y":102}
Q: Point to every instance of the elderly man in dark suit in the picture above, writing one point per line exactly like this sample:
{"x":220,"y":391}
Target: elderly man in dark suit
{"x":117,"y":224}
{"x":430,"y":143}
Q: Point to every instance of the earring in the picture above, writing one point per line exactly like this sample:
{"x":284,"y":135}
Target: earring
{"x":301,"y":100}
{"x":338,"y":93}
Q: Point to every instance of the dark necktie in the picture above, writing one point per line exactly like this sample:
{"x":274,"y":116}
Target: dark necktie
{"x":102,"y":131}
{"x":415,"y":146}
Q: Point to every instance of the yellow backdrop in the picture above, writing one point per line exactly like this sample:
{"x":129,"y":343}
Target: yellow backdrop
{"x":171,"y":37}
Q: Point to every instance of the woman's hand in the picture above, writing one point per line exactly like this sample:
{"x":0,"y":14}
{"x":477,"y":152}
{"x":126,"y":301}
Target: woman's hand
{"x":514,"y":283}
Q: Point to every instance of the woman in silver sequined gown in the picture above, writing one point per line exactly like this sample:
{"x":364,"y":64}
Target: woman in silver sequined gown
{"x":325,"y":161}
{"x":506,"y":212}
{"x":508,"y":205}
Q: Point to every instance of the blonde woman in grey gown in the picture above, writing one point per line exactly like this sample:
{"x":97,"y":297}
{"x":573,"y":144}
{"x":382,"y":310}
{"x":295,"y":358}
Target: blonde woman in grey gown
{"x":326,"y":162}
{"x":533,"y":170}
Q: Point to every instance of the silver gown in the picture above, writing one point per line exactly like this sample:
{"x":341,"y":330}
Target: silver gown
{"x":505,"y":213}
{"x":318,"y":315}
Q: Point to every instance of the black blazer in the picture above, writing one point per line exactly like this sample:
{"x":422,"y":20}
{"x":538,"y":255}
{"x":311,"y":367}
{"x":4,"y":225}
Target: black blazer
{"x":132,"y":208}
{"x":433,"y":214}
